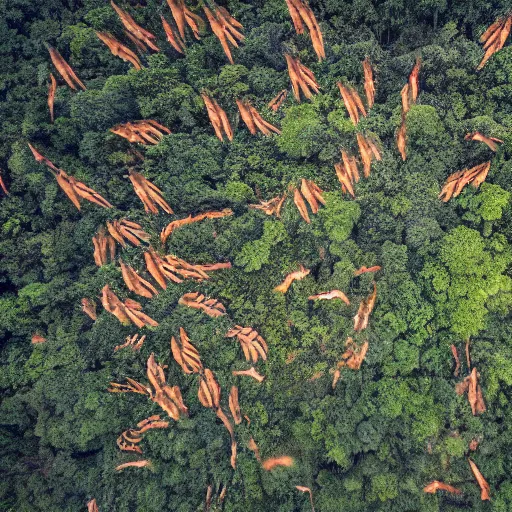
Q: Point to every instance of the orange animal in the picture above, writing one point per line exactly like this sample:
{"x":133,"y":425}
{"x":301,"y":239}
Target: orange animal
{"x":414,"y":83}
{"x":174,"y":39}
{"x":270,"y":464}
{"x":149,"y":194}
{"x":209,"y":390}
{"x":51,"y":95}
{"x":182,"y":14}
{"x":298,"y":275}
{"x":310,"y":191}
{"x":334,"y":294}
{"x":468,"y":358}
{"x":409,"y":96}
{"x":119,"y":50}
{"x":43,"y":160}
{"x":254,"y":448}
{"x":73,"y":188}
{"x":253,"y":345}
{"x":70,"y":188}
{"x":128,"y":443}
{"x":196,"y":300}
{"x":494,"y":37}
{"x":434,"y":486}
{"x":185,"y":354}
{"x":225,"y":27}
{"x":65,"y":70}
{"x":89,"y":308}
{"x":127,"y":312}
{"x":133,"y":342}
{"x":369,"y":85}
{"x":294,"y":7}
{"x":104,"y":246}
{"x":368,"y":151}
{"x":234,"y":406}
{"x":3,"y":187}
{"x":175,"y":224}
{"x":133,"y":28}
{"x":150,"y":423}
{"x":457,"y":362}
{"x":278,"y":100}
{"x":209,"y":396}
{"x":132,"y":387}
{"x":134,"y":464}
{"x":301,"y":12}
{"x":364,"y":270}
{"x":351,"y":168}
{"x":162,"y":268}
{"x":92,"y":506}
{"x":352,"y":358}
{"x":220,"y":498}
{"x":405,"y":94}
{"x":141,"y":47}
{"x":249,"y":373}
{"x":347,"y":173}
{"x":401,"y":139}
{"x":302,"y":78}
{"x":271,"y":207}
{"x":352,"y":102}
{"x":411,"y":89}
{"x":136,"y":283}
{"x":471,"y":386}
{"x":125,"y":229}
{"x":458,"y":180}
{"x":208,"y":499}
{"x":146,"y":131}
{"x":167,"y":397}
{"x":365,"y":308}
{"x":253,"y":119}
{"x":301,"y":488}
{"x":218,"y":118}
{"x":308,"y":490}
{"x":491,"y":142}
{"x":37,"y":338}
{"x":129,"y":439}
{"x":484,"y":486}
{"x":222,"y":495}
{"x":210,"y":267}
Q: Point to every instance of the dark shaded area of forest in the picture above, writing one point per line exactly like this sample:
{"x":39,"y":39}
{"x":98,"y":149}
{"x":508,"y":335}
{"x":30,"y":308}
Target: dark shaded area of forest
{"x":394,"y":421}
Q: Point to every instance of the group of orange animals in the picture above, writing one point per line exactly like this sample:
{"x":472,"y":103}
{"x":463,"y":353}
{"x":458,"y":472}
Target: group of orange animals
{"x":172,"y":268}
{"x":470,"y":386}
{"x":226,"y":28}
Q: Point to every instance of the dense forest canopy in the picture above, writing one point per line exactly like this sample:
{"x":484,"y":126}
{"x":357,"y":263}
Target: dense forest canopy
{"x":237,"y":262}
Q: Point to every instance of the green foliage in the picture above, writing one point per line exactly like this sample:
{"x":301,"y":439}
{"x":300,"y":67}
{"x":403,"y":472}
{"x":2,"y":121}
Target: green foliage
{"x":257,"y":253}
{"x":339,"y":217}
{"x":303,"y":131}
{"x":384,"y":487}
{"x":387,"y":429}
{"x":465,"y":272}
{"x":488,"y":205}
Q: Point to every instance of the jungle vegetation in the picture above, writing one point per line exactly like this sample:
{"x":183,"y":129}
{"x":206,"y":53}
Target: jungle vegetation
{"x":192,"y":213}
